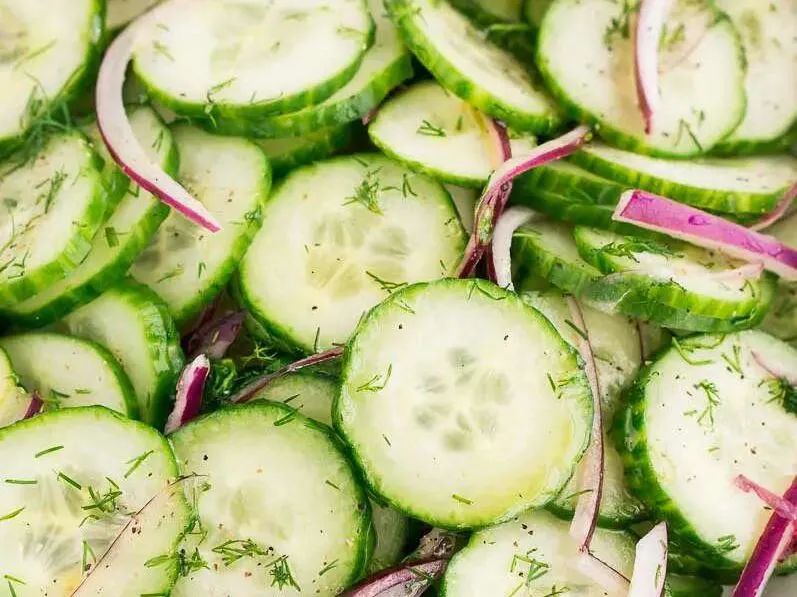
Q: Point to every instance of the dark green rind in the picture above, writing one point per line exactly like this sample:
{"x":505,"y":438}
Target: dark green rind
{"x":402,"y":12}
{"x":515,"y":36}
{"x":315,"y":146}
{"x":779,"y":144}
{"x":677,"y":585}
{"x":603,"y":521}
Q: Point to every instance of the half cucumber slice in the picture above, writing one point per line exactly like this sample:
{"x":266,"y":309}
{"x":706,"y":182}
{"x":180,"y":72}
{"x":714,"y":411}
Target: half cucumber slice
{"x":14,"y":400}
{"x":337,"y":238}
{"x":73,"y":480}
{"x":281,"y":509}
{"x":443,"y":414}
{"x":585,"y":53}
{"x":184,"y":264}
{"x":287,"y":153}
{"x":480,"y":73}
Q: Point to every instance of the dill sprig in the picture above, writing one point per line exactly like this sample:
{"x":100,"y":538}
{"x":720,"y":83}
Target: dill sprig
{"x":430,"y":130}
{"x":367,"y":193}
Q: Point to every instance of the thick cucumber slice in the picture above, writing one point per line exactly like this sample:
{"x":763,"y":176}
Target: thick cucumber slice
{"x":287,"y":153}
{"x":532,"y":554}
{"x":616,"y":346}
{"x":14,"y":400}
{"x":48,"y":49}
{"x":586,"y":57}
{"x":184,"y":264}
{"x":52,"y":206}
{"x":67,"y":372}
{"x":384,"y":66}
{"x":456,"y":53}
{"x":117,"y":244}
{"x":337,"y":238}
{"x":703,"y":413}
{"x":434,"y":132}
{"x":280,"y":484}
{"x":73,"y":479}
{"x":445,"y":417}
{"x":135,"y":326}
{"x":244,"y":60}
{"x":770,"y":48}
{"x":121,"y":12}
{"x":731,"y":185}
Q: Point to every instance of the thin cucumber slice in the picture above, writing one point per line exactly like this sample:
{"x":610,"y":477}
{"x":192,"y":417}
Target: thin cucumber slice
{"x":115,"y":181}
{"x":52,"y":206}
{"x":534,"y":11}
{"x":121,"y":12}
{"x":500,"y":21}
{"x":337,"y":238}
{"x":465,"y":201}
{"x":704,"y":412}
{"x":184,"y":264}
{"x":385,"y":65}
{"x":532,"y":554}
{"x":781,"y":320}
{"x":287,"y":153}
{"x":135,"y":326}
{"x":615,"y":344}
{"x":770,"y":48}
{"x":118,"y":242}
{"x":49,"y":48}
{"x":280,"y":483}
{"x":731,"y":185}
{"x":74,"y":478}
{"x":434,"y":132}
{"x":585,"y":54}
{"x":456,"y":53}
{"x":14,"y":400}
{"x":245,"y":60}
{"x":443,"y":414}
{"x":67,"y":372}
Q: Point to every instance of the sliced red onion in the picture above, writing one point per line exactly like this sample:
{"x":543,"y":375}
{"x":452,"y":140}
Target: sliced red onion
{"x":512,"y":219}
{"x":253,"y":387}
{"x":601,"y":573}
{"x":775,"y":370}
{"x":698,"y":227}
{"x":495,"y":195}
{"x":215,"y":337}
{"x":783,"y":507}
{"x":773,"y":543}
{"x":408,"y":580}
{"x":781,"y":209}
{"x":118,"y":134}
{"x":647,"y":34}
{"x":188,"y":402}
{"x":34,"y":406}
{"x":650,"y":563}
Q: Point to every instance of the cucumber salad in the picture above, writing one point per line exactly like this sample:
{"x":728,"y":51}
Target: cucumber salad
{"x":391,"y":298}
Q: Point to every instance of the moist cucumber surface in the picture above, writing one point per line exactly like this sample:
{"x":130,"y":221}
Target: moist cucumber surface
{"x":14,"y":400}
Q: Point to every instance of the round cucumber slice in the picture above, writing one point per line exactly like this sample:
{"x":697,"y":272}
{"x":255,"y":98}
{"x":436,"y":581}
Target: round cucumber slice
{"x":445,"y":417}
{"x":245,"y":60}
{"x":14,"y":400}
{"x":287,"y":153}
{"x":50,"y":48}
{"x":282,"y":509}
{"x":184,"y":264}
{"x":121,"y":12}
{"x":482,"y":74}
{"x":74,"y":478}
{"x":118,"y":242}
{"x":585,"y":55}
{"x":52,"y":205}
{"x":730,"y":185}
{"x":135,"y":326}
{"x":434,"y":132}
{"x":384,"y":66}
{"x":704,"y":412}
{"x":67,"y":372}
{"x":337,"y":238}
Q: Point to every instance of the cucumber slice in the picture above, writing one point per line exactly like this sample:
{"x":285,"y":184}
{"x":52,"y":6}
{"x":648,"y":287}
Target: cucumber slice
{"x":337,"y":238}
{"x":68,"y":372}
{"x":49,"y":49}
{"x":117,"y":244}
{"x":586,"y":57}
{"x":52,"y":206}
{"x":490,"y":10}
{"x":500,"y":22}
{"x":445,"y":417}
{"x":532,"y":554}
{"x":14,"y":400}
{"x":781,"y":320}
{"x":245,"y":60}
{"x":434,"y":132}
{"x":770,"y":48}
{"x":280,"y":483}
{"x":534,"y":11}
{"x":86,"y":472}
{"x":385,"y":65}
{"x":184,"y":264}
{"x":115,"y":181}
{"x":616,"y":346}
{"x":465,"y":201}
{"x":135,"y":326}
{"x":731,"y":185}
{"x":121,"y":12}
{"x":702,"y":413}
{"x":456,"y":53}
{"x":287,"y":153}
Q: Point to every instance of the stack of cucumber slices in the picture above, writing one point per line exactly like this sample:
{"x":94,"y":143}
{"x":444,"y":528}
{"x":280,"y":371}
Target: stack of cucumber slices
{"x":382,"y":298}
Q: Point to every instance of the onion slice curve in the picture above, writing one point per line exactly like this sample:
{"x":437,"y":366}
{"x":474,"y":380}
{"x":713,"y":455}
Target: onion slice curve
{"x":190,"y":386}
{"x":650,"y":563}
{"x":647,"y":33}
{"x":501,"y":250}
